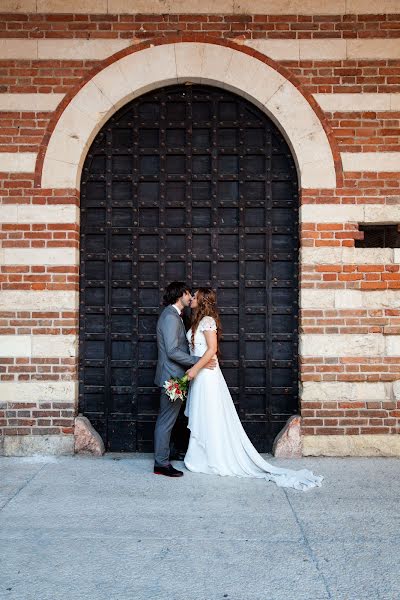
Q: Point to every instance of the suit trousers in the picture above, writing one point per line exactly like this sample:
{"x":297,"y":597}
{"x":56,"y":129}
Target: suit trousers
{"x":167,"y":416}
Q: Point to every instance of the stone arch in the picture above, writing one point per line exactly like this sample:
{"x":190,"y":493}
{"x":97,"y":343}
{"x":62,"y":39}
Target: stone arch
{"x":242,"y":71}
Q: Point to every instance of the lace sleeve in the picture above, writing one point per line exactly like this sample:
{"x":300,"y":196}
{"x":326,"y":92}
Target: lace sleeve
{"x":207,"y":324}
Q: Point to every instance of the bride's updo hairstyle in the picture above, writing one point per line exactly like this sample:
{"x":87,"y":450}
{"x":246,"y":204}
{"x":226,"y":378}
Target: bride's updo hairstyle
{"x":206,"y":307}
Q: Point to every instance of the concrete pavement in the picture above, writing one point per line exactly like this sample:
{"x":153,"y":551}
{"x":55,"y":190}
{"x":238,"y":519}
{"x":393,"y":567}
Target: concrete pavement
{"x":106,"y":528}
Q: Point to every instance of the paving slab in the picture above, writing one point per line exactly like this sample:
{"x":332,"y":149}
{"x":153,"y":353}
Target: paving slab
{"x":105,"y":528}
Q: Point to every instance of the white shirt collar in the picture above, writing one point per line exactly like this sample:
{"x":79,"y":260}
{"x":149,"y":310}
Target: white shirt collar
{"x":177,"y":309}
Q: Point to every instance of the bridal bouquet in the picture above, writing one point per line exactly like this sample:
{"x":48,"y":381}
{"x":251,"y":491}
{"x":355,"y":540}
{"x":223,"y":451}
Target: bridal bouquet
{"x":177,"y":388}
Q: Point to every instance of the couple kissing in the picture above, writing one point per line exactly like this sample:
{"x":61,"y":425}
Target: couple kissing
{"x":218,"y":444}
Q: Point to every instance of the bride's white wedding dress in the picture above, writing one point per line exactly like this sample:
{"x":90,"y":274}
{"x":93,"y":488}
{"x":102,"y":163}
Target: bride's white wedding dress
{"x":218,"y":443}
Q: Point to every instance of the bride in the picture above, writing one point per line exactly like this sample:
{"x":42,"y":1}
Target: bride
{"x":218,"y":443}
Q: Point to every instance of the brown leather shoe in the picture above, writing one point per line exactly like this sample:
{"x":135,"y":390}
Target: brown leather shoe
{"x":167,"y":471}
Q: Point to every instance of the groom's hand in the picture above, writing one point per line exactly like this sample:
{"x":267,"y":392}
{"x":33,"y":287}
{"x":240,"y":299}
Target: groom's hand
{"x":212,"y":363}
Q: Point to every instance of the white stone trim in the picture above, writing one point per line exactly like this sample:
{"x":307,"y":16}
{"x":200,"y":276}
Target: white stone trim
{"x":39,"y":256}
{"x":17,"y":162}
{"x":72,"y":6}
{"x":35,"y":300}
{"x":349,"y":344}
{"x":15,"y":345}
{"x":336,"y":255}
{"x":373,"y":49}
{"x":29,"y":102}
{"x":344,"y":344}
{"x":359,"y":7}
{"x":373,"y":162}
{"x":43,"y":445}
{"x":344,"y":213}
{"x":314,"y":299}
{"x":295,"y":49}
{"x":36,"y":346}
{"x":327,"y":48}
{"x":38,"y":391}
{"x":18,"y":6}
{"x":207,"y":63}
{"x":359,"y":102}
{"x":351,"y":445}
{"x":272,"y":7}
{"x":39,"y":213}
{"x":346,"y":391}
{"x":60,"y":48}
{"x":392,"y":345}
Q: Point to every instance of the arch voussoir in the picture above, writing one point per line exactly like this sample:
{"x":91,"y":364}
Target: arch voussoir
{"x":198,"y":62}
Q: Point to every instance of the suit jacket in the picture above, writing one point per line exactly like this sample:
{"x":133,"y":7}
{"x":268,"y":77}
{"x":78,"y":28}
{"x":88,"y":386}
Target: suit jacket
{"x":173,"y":348}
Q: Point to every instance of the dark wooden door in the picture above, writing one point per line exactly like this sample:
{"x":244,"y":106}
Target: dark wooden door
{"x":190,"y":183}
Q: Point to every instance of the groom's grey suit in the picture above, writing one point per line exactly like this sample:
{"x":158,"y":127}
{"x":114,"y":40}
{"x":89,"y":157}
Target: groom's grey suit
{"x":173,"y":360}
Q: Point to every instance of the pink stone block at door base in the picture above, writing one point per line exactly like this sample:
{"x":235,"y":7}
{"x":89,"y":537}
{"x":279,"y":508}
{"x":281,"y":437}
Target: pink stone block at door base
{"x":87,"y":440}
{"x":287,"y":443}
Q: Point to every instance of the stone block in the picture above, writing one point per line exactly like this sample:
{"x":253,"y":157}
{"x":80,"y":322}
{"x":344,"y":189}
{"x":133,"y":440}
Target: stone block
{"x":371,"y":161}
{"x":30,"y":102}
{"x":79,"y":49}
{"x":373,"y":49}
{"x":335,"y":391}
{"x":351,"y":445}
{"x":342,"y":345}
{"x":392,"y":345}
{"x":18,"y":6}
{"x":112,"y":83}
{"x":40,"y":256}
{"x":354,"y":102}
{"x":395,"y":102}
{"x":215,"y":63}
{"x":15,"y":346}
{"x":39,"y":391}
{"x":287,"y":443}
{"x":60,"y":213}
{"x":357,"y":7}
{"x":9,"y":213}
{"x":396,"y":390}
{"x":17,"y":162}
{"x":189,"y":60}
{"x":331,"y":213}
{"x":72,"y":6}
{"x":384,"y":299}
{"x":31,"y":445}
{"x":47,"y":300}
{"x":321,"y":299}
{"x":87,"y":439}
{"x":348,"y":299}
{"x":54,"y":345}
{"x":388,"y":213}
{"x":326,"y":49}
{"x":342,"y":255}
{"x":70,"y":146}
{"x":276,"y":49}
{"x":16,"y":48}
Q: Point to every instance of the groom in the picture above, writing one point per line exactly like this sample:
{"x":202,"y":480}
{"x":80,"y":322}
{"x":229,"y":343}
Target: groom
{"x":173,"y":360}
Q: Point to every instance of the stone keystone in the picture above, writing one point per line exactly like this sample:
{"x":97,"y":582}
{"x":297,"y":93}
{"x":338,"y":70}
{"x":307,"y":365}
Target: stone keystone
{"x":287,"y":443}
{"x":87,"y":439}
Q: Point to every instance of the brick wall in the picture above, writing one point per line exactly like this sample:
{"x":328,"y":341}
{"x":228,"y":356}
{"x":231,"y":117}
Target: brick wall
{"x":349,"y":295}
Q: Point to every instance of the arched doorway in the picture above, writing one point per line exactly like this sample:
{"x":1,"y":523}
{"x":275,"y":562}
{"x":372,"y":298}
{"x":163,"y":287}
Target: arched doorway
{"x":193,"y":183}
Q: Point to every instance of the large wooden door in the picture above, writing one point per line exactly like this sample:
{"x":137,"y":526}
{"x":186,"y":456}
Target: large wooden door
{"x":190,"y":183}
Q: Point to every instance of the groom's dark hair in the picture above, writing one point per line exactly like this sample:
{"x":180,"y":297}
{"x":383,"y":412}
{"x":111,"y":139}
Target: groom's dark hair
{"x":174,"y":291}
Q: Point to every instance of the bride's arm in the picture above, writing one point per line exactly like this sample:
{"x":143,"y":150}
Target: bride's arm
{"x":212,"y":347}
